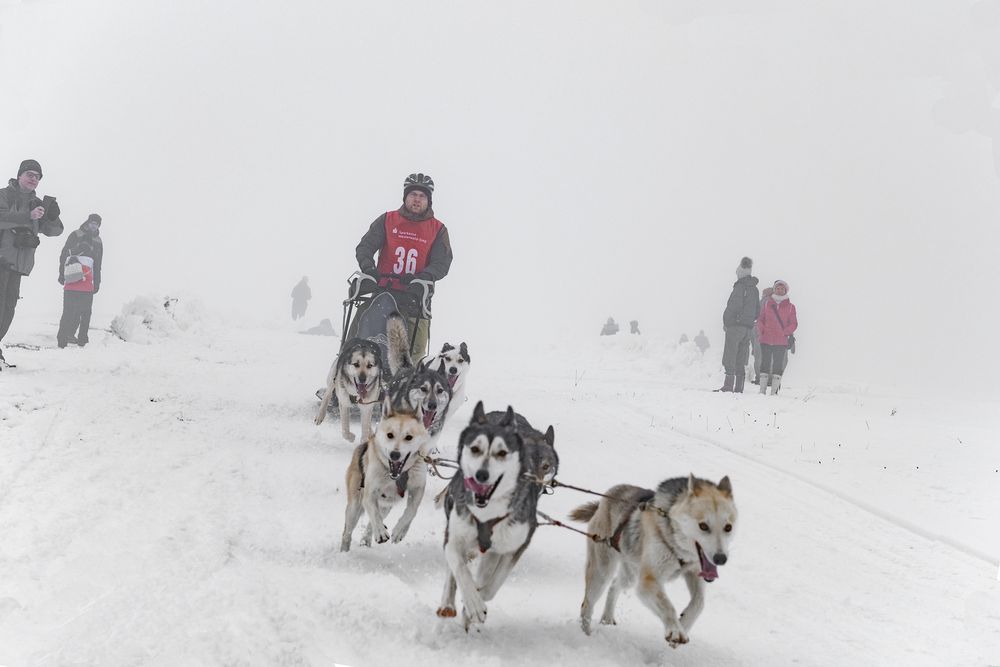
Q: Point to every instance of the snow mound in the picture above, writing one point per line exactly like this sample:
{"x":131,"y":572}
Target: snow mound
{"x":146,"y":319}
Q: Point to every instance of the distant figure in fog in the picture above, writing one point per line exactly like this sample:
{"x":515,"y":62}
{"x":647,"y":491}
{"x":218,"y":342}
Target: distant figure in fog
{"x":684,"y":339}
{"x":701,"y":340}
{"x":775,"y":326}
{"x":634,"y":325}
{"x":300,"y":298}
{"x":610,"y":327}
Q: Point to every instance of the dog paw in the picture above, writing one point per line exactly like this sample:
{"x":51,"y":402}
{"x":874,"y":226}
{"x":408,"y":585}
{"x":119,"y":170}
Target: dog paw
{"x":585,"y":625}
{"x":446,"y":612}
{"x":608,"y":620}
{"x":474,"y":610}
{"x":345,"y":546}
{"x":319,"y":419}
{"x":676,"y":636}
{"x":381,"y":534}
{"x":398,"y":535}
{"x":366,"y":541}
{"x":348,"y":436}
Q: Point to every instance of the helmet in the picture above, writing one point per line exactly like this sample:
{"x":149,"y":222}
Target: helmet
{"x":419,"y":182}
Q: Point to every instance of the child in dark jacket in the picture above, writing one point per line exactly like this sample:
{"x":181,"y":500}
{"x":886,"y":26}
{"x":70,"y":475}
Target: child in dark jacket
{"x":80,"y":276}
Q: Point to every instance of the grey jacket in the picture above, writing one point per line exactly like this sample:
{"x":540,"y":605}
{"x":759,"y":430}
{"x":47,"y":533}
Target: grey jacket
{"x":16,"y":222}
{"x":744,"y":304}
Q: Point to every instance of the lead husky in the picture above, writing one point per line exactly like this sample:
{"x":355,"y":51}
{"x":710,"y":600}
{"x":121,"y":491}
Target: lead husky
{"x":387,"y":467}
{"x":684,"y":527}
{"x":490,"y":507}
{"x":355,"y":373}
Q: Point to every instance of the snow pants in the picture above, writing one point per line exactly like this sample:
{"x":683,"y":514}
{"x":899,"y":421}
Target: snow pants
{"x":299,"y":308}
{"x":75,"y":315}
{"x":737,"y":350}
{"x":773,"y":359}
{"x":10,"y":292}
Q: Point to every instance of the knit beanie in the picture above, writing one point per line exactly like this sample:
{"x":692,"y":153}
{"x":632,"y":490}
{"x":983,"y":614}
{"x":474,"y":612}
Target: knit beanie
{"x":29,"y":165}
{"x":743,"y":270}
{"x":93,"y":217}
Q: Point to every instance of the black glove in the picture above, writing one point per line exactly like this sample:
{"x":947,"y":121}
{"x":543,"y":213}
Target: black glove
{"x":62,"y":280}
{"x":97,"y":288}
{"x":405,"y":278}
{"x":52,"y":211}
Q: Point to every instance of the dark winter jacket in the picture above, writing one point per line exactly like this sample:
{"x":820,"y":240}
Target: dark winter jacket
{"x":18,"y":232}
{"x":83,"y":246}
{"x":438,"y":260}
{"x":301,"y":291}
{"x":744,"y":304}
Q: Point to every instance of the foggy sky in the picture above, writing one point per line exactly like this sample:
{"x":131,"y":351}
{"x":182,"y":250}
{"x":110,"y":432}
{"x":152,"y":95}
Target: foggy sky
{"x":591,"y":160}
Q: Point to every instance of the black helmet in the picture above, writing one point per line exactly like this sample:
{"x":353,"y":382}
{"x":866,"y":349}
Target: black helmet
{"x":419,"y":182}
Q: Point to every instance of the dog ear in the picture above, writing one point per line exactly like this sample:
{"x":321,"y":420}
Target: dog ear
{"x":441,"y":368}
{"x":550,"y":436}
{"x":479,"y":414}
{"x":447,"y":347}
{"x":692,"y":483}
{"x":726,"y":486}
{"x":508,"y":419}
{"x":387,"y":407}
{"x":463,"y":349}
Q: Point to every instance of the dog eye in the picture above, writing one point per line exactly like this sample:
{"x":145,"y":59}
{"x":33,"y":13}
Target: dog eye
{"x":423,"y":389}
{"x":728,"y":528}
{"x":371,"y":365}
{"x":703,"y":526}
{"x":501,"y":455}
{"x":476,"y":451}
{"x":408,"y":437}
{"x":545,"y":466}
{"x":357,"y":364}
{"x":390,"y":435}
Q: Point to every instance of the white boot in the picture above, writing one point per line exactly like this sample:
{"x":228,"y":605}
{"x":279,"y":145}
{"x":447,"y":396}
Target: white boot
{"x":775,"y":384}
{"x":764,"y":378}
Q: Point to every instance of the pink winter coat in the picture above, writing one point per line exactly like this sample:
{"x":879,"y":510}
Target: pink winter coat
{"x":768,"y":329}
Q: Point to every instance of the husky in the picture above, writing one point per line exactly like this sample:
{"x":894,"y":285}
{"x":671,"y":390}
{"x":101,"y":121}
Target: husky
{"x":457,"y":363}
{"x":684,"y":527}
{"x":419,"y":385}
{"x":389,"y":466}
{"x":356,"y":373}
{"x":489,"y":508}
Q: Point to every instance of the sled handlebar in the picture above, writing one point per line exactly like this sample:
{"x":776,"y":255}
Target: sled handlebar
{"x":427,"y":286}
{"x":355,"y":280}
{"x":425,"y":301}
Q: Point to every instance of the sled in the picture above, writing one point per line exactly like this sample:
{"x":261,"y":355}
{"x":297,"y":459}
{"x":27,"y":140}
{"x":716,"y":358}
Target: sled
{"x":368,"y":307}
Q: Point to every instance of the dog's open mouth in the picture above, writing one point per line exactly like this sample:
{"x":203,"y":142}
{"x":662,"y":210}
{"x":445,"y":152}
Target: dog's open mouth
{"x":452,"y":379}
{"x":362,"y":389}
{"x":481,"y":492}
{"x":708,"y":570}
{"x":396,"y":467}
{"x":429,"y":416}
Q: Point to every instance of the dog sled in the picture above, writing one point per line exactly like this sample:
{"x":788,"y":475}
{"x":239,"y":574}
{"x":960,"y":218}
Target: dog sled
{"x":366,"y":310}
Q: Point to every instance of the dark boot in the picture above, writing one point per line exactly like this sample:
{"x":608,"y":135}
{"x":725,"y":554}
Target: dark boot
{"x":738,"y":387}
{"x":728,"y":384}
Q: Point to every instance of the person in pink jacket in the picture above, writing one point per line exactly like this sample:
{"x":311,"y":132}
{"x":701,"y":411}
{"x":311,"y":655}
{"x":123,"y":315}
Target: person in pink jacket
{"x":777,"y":321}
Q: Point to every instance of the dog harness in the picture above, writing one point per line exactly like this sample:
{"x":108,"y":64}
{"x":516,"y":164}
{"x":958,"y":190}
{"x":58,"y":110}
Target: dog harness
{"x":400,"y":481}
{"x":640,"y":500}
{"x":484,"y":531}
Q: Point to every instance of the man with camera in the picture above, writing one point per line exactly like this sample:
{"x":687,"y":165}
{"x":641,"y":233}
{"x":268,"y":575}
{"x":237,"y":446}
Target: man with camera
{"x":23,"y":216}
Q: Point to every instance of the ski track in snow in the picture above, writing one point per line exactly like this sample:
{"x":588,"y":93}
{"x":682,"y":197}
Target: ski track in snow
{"x":173,"y":504}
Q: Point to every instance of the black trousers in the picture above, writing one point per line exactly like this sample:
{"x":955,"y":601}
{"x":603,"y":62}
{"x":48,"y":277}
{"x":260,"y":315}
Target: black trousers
{"x":75,"y":315}
{"x":10,"y":292}
{"x":773,"y":358}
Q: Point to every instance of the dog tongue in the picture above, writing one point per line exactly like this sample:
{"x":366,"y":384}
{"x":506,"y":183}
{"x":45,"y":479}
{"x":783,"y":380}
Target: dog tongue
{"x":429,"y":418}
{"x":362,"y":389}
{"x":451,"y":380}
{"x":477,"y":488}
{"x":708,"y":570}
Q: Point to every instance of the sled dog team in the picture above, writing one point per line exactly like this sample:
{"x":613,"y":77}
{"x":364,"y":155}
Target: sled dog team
{"x":639,"y":537}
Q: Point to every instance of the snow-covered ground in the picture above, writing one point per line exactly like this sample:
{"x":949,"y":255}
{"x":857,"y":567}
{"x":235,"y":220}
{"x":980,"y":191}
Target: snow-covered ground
{"x":168,"y":501}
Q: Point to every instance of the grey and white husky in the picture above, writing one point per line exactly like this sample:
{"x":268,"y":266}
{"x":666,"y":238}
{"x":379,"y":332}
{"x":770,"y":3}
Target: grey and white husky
{"x":355,"y":373}
{"x":412,"y":385}
{"x":490,"y":506}
{"x":683,"y":528}
{"x":457,"y":364}
{"x":386,"y":468}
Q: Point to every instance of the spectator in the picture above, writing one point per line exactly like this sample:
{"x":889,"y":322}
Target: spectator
{"x":23,"y":216}
{"x":755,"y":337}
{"x":777,"y":322}
{"x":300,"y":298}
{"x":610,"y":327}
{"x":80,"y":276}
{"x":738,"y":318}
{"x":701,"y":340}
{"x":634,"y":326}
